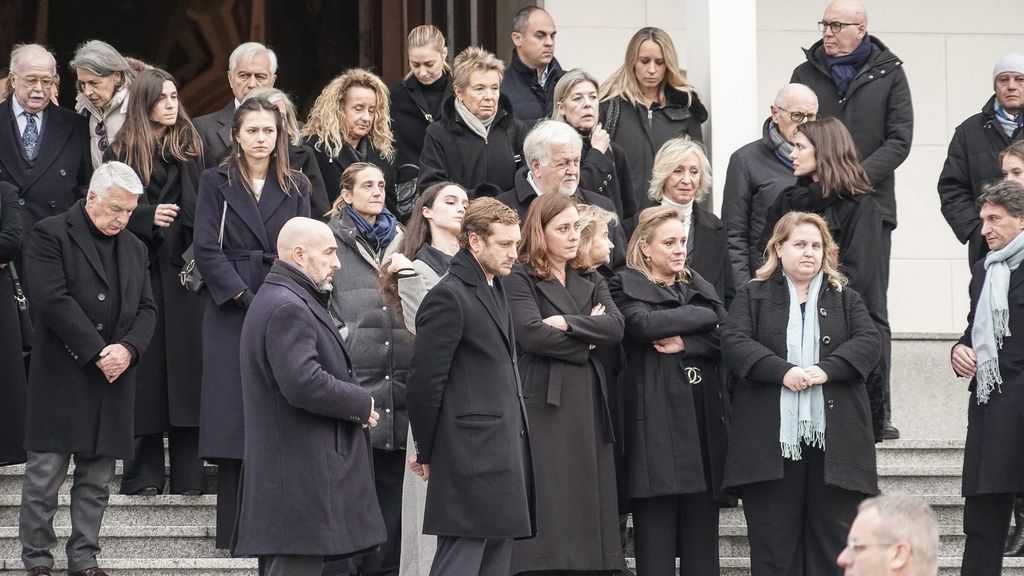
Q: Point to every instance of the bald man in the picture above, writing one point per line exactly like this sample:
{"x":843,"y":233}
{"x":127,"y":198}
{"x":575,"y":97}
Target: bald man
{"x":305,"y":419}
{"x":860,"y":81}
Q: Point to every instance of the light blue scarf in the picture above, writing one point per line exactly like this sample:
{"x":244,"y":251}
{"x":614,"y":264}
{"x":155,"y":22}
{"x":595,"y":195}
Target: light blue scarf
{"x":802,"y":414}
{"x":992,"y":316}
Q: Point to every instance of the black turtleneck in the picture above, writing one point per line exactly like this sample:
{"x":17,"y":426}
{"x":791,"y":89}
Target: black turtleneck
{"x":106,"y":247}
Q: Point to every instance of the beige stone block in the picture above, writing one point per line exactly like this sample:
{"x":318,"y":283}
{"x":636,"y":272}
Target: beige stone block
{"x":969,"y":62}
{"x":598,"y":13}
{"x":599,"y":51}
{"x":922,"y":232}
{"x":920,"y":296}
{"x":924,"y":64}
{"x":961,"y":279}
{"x":778,"y":53}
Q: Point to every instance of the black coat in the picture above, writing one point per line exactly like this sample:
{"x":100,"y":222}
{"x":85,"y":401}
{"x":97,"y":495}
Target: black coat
{"x":453,"y":152}
{"x":304,"y":434}
{"x":409,"y":109}
{"x":609,"y":175}
{"x":301,"y":158}
{"x":12,"y":366}
{"x":530,"y":101}
{"x":60,"y":173}
{"x":567,"y":404}
{"x":995,"y":431}
{"x":331,"y":168}
{"x":972,"y":162}
{"x":877,"y":110}
{"x":754,"y":179}
{"x":664,"y":452}
{"x":71,"y":406}
{"x":641,"y":132}
{"x":754,"y":349}
{"x":708,"y":254}
{"x":215,"y":130}
{"x":250,"y":246}
{"x":467,"y":412}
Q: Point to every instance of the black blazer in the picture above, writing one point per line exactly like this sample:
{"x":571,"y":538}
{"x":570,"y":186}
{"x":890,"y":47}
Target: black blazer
{"x":466,"y":409}
{"x":215,"y":130}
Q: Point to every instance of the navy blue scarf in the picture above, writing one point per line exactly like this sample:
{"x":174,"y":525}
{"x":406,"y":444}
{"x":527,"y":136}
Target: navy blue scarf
{"x":383,"y":232}
{"x":844,"y":68}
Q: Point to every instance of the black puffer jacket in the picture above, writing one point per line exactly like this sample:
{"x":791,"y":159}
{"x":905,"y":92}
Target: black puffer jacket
{"x":877,"y":111}
{"x":532,"y":102}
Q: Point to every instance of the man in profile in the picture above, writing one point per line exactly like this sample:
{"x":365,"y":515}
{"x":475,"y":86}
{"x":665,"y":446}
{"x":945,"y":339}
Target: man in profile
{"x":893,"y":535}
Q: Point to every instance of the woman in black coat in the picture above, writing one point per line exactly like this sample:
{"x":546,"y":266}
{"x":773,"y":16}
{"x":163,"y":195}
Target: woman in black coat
{"x":675,"y":406}
{"x":478,"y":141}
{"x":603,"y":165}
{"x":646,"y":102}
{"x":12,"y":365}
{"x":416,"y":100}
{"x":253,"y":193}
{"x":559,"y":316}
{"x":801,"y":450}
{"x":159,"y":142}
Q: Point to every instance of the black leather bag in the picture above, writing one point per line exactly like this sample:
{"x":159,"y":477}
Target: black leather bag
{"x":407,"y":191}
{"x":24,"y":317}
{"x":190,"y":277}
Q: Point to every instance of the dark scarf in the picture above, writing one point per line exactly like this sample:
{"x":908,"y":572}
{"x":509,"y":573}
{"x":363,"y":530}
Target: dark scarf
{"x":438,"y":261}
{"x":844,"y":68}
{"x":285,"y":269}
{"x":782,"y":148}
{"x":381,"y":233}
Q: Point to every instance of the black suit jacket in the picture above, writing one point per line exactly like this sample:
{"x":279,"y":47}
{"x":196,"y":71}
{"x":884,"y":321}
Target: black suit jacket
{"x":215,"y":130}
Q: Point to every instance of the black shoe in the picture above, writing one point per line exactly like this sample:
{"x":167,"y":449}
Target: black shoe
{"x":147,"y":491}
{"x":1015,"y":545}
{"x":192,"y":492}
{"x":889,"y":432}
{"x":39,"y":571}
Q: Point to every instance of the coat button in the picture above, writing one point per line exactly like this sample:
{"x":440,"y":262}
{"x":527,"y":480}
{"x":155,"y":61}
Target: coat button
{"x":826,"y":340}
{"x":823,"y":312}
{"x":384,"y":308}
{"x":53,"y":203}
{"x":99,"y":326}
{"x":101,"y":296}
{"x":831,"y":404}
{"x":387,"y":410}
{"x":387,"y":444}
{"x":21,"y":201}
{"x":387,"y":377}
{"x":722,"y":419}
{"x":63,"y":172}
{"x":386,"y":343}
{"x":522,"y":433}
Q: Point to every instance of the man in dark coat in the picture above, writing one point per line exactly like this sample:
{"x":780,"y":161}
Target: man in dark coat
{"x":973,"y":159}
{"x":251,"y":65}
{"x":858,"y":80}
{"x":44,"y":149}
{"x":989,"y":354}
{"x":94,"y":316}
{"x":304,"y":411}
{"x":534,"y":71}
{"x":466,"y":404}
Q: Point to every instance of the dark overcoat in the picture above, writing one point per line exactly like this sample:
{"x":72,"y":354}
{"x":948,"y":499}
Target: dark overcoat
{"x":664,"y":452}
{"x":531,"y":101}
{"x":71,"y":406}
{"x":250,"y":247}
{"x":754,"y":349}
{"x":609,"y":175}
{"x":302,"y":159}
{"x":307,"y":482}
{"x":409,"y":109}
{"x":567,"y":404}
{"x":59,"y":175}
{"x":332,"y":167}
{"x":995,"y":431}
{"x":453,"y":152}
{"x":467,"y":412}
{"x":215,"y":130}
{"x":708,"y":253}
{"x":12,"y":366}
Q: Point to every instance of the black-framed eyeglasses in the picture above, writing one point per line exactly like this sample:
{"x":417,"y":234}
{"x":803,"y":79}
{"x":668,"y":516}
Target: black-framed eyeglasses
{"x":799,"y":117}
{"x":101,"y":131}
{"x":835,"y":26}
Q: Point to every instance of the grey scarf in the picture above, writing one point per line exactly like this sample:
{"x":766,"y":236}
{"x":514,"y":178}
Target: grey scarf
{"x":992,"y":316}
{"x":782,"y":147}
{"x":1009,"y":124}
{"x":802,"y":414}
{"x":481,"y":127}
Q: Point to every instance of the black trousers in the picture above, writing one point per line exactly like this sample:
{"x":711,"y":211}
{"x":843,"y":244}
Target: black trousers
{"x":147,"y":467}
{"x":878,"y":306}
{"x":797,"y":526}
{"x":229,"y":476}
{"x":471,"y":557}
{"x":986,"y":521}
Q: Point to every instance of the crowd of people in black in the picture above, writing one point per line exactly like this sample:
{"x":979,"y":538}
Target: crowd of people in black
{"x":503,"y":280}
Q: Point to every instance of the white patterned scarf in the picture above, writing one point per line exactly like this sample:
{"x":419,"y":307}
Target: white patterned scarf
{"x":992,"y":316}
{"x":802,"y":414}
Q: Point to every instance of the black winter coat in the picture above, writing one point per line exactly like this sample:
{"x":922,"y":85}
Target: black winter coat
{"x":71,"y":406}
{"x":664,"y":452}
{"x":215,"y":130}
{"x":754,"y":349}
{"x":531,"y":101}
{"x":332,"y":168}
{"x":877,"y":110}
{"x":12,"y":365}
{"x":708,"y":254}
{"x":754,"y":179}
{"x":453,"y":152}
{"x":641,"y":132}
{"x":972,"y":162}
{"x":409,"y":110}
{"x":302,"y":159}
{"x":609,"y":175}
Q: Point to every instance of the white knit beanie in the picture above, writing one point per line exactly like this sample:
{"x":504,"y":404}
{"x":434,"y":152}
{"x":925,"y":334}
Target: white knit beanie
{"x":1012,"y":62}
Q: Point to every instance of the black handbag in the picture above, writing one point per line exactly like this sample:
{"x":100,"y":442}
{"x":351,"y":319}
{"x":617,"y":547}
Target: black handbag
{"x":24,"y":317}
{"x":407,"y":191}
{"x":190,"y":277}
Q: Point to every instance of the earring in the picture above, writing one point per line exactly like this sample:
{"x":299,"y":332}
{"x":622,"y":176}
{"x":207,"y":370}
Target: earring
{"x":647,"y":258}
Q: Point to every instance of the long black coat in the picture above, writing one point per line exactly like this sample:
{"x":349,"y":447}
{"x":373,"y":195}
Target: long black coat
{"x":995,"y":431}
{"x":971,"y":163}
{"x":215,"y":130}
{"x":12,"y":367}
{"x":301,"y":158}
{"x":250,"y":246}
{"x":609,"y":175}
{"x":407,"y":118}
{"x":708,"y":253}
{"x":453,"y":152}
{"x":60,"y":173}
{"x":877,"y":110}
{"x":467,"y":412}
{"x":303,"y":434}
{"x":331,"y":168}
{"x":664,"y":452}
{"x":71,"y":406}
{"x":754,"y":349}
{"x":567,"y":404}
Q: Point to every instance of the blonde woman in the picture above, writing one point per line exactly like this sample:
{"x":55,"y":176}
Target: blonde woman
{"x":648,"y":101}
{"x":416,"y":100}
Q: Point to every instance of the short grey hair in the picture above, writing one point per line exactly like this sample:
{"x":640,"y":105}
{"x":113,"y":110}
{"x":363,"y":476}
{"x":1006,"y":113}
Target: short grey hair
{"x":906,"y":517}
{"x":114,"y":174}
{"x":787,"y":92}
{"x":1005,"y":193}
{"x":24,"y":51}
{"x":102,"y":59}
{"x":245,"y":52}
{"x":565,"y":85}
{"x":522,"y":18}
{"x":547,"y":134}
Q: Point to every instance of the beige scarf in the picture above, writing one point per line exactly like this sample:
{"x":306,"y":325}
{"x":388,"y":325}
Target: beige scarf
{"x":481,"y":127}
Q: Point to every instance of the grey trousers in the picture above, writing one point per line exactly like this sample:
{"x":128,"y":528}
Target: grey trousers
{"x":44,"y":474}
{"x":472,"y":557}
{"x":288,"y":565}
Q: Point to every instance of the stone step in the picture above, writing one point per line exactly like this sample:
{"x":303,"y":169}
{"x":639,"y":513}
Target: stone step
{"x":948,"y":566}
{"x":152,"y":567}
{"x":920,"y":453}
{"x":133,"y":542}
{"x":130,"y":510}
{"x":732,"y":542}
{"x":10,"y":479}
{"x":949,"y":511}
{"x":920,"y":480}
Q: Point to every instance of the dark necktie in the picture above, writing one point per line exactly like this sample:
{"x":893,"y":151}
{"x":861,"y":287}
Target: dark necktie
{"x":31,"y":136}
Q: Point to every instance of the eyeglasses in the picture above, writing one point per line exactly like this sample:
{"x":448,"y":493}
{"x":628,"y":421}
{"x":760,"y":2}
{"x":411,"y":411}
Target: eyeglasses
{"x":101,"y":131}
{"x":30,"y":81}
{"x":857,"y":547}
{"x":836,"y":27}
{"x":799,"y":117}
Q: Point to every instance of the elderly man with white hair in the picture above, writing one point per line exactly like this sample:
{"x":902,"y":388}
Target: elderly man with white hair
{"x":94,"y":317}
{"x":251,"y":65}
{"x":893,"y":535}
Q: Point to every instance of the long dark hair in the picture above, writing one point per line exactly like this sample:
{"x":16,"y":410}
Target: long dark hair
{"x":835,"y":154}
{"x":286,"y":177}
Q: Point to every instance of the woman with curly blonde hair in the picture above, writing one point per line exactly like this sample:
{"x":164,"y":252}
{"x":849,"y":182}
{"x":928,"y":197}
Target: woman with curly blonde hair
{"x":351,"y":122}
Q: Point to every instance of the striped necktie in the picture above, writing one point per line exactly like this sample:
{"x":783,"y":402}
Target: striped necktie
{"x":31,"y":136}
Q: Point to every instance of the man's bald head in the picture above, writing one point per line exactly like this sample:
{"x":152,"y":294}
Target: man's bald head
{"x":794,"y":105}
{"x":309,"y":245}
{"x":852,"y":19}
{"x":853,"y":9}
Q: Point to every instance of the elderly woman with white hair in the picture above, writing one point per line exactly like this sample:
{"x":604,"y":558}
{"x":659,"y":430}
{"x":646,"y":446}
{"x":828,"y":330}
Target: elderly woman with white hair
{"x":104,"y":76}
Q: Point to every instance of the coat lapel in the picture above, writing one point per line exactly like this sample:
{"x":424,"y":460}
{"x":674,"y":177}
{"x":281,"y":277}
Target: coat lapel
{"x":55,"y":132}
{"x":318,"y":310}
{"x":465,"y":267}
{"x":79,"y":232}
{"x":271,"y":197}
{"x":224,"y":118}
{"x":241,"y":202}
{"x":1016,"y":279}
{"x":11,"y":150}
{"x":126,"y":266}
{"x":573,"y":298}
{"x":173,"y":174}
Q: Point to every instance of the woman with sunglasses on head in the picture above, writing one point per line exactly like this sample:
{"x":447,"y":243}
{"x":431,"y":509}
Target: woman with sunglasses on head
{"x":104,"y":77}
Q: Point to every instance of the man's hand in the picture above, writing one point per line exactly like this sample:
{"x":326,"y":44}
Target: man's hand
{"x":371,"y":421}
{"x":816,"y":374}
{"x":964,"y":361}
{"x":796,"y":379}
{"x":165,"y":214}
{"x":670,"y":345}
{"x":114,"y":360}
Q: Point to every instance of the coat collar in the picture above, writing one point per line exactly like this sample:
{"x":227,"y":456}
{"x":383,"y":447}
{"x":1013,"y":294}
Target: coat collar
{"x":880,"y":55}
{"x":254,"y":215}
{"x":466,"y":268}
{"x":529,"y":75}
{"x":347,"y":232}
{"x":78,"y":230}
{"x":315,"y":307}
{"x":572,"y":298}
{"x":59,"y":123}
{"x":638,"y":287}
{"x":224,"y":117}
{"x":451,"y":118}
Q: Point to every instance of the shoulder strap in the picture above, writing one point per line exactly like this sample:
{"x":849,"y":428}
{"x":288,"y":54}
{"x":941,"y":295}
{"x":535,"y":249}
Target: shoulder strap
{"x":611,"y":121}
{"x":427,"y":115}
{"x":220,"y":236}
